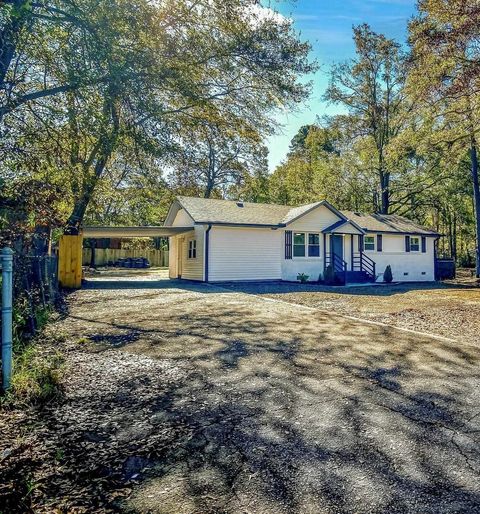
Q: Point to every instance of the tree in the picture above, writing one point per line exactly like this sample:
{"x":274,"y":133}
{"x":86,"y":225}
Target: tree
{"x":446,"y":61}
{"x":371,"y":88}
{"x":324,"y":166}
{"x":30,"y":36}
{"x":214,"y":157}
{"x":139,"y":75}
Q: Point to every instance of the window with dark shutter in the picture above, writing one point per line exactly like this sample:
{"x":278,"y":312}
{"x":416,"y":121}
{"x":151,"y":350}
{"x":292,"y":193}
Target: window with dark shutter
{"x":407,"y":243}
{"x":414,"y":244}
{"x":379,"y":242}
{"x":424,"y":244}
{"x":288,"y":244}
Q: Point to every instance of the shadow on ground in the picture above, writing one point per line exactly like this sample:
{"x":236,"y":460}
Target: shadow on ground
{"x":278,"y":287}
{"x":224,"y":402}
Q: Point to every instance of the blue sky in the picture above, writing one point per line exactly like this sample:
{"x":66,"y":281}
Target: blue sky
{"x":327,"y":25}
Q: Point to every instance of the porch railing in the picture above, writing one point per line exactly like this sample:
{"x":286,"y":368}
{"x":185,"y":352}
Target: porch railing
{"x":362,"y":262}
{"x":338,"y":265}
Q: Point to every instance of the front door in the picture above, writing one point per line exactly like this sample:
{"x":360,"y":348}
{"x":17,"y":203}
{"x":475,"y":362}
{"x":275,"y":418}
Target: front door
{"x":336,"y":245}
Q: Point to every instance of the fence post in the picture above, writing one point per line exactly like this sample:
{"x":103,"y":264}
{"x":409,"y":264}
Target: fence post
{"x":7,"y":294}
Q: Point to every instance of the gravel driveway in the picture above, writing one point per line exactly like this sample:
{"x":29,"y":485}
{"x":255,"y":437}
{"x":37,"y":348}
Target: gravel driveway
{"x":189,"y":398}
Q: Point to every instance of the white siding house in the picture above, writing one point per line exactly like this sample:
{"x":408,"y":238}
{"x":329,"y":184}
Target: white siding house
{"x":239,"y":241}
{"x":231,"y":256}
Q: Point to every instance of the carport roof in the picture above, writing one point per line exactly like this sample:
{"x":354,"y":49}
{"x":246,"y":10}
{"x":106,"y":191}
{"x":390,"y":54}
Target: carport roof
{"x":165,"y":231}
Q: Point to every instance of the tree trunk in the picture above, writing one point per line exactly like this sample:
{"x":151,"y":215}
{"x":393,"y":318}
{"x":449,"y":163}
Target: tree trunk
{"x":476,"y":199}
{"x":9,"y":36}
{"x":79,"y":209}
{"x":454,"y":247}
{"x":100,"y":154}
{"x":74,"y":221}
{"x":385,"y":193}
{"x":210,"y":172}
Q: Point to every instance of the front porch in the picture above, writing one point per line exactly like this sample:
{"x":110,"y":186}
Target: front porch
{"x":344,"y":258}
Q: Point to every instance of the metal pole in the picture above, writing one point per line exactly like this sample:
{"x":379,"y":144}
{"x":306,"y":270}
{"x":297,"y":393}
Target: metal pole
{"x":7,"y":288}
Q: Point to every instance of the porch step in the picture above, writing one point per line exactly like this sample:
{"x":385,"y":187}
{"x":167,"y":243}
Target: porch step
{"x":358,"y":276}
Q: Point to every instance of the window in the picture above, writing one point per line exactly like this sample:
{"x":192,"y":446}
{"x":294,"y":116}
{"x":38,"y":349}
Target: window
{"x":299,"y":244}
{"x":414,"y":244}
{"x":369,"y":243}
{"x":192,"y":249}
{"x":305,"y":244}
{"x":314,"y":245}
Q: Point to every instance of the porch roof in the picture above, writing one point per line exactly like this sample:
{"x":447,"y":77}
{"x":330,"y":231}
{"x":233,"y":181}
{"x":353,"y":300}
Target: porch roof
{"x":151,"y":231}
{"x":343,"y":227}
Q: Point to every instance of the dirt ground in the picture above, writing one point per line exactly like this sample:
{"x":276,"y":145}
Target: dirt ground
{"x":448,"y":309}
{"x":189,"y":398}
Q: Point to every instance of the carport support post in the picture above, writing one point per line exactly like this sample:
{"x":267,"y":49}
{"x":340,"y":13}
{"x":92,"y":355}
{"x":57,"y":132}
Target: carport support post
{"x":7,"y":306}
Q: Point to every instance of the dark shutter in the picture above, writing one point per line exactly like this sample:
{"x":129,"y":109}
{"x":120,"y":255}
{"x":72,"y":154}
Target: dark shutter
{"x":288,"y":244}
{"x":379,"y":242}
{"x":407,"y":243}
{"x":360,"y":243}
{"x":424,"y":244}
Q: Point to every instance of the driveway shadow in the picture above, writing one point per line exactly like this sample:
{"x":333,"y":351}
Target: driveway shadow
{"x":277,"y":410}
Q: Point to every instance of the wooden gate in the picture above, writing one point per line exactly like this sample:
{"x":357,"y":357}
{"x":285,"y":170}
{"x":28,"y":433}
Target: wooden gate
{"x":70,"y":261}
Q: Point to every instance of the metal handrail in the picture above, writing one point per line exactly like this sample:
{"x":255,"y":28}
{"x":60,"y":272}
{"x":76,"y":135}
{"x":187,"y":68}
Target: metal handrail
{"x":364,"y":263}
{"x":338,"y":263}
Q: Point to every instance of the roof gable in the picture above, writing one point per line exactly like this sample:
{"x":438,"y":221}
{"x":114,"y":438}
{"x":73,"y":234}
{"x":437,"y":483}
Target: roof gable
{"x":229,"y":212}
{"x":340,"y":228}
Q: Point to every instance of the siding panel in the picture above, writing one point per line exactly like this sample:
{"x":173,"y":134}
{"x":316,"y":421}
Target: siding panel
{"x":245,"y":254}
{"x":192,"y":269}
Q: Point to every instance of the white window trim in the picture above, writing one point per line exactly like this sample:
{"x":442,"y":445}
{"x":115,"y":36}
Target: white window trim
{"x":192,"y":247}
{"x":365,"y":249}
{"x":306,"y":256}
{"x":419,"y":244}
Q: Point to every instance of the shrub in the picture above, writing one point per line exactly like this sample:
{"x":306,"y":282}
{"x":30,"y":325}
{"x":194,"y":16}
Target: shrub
{"x":387,"y":274}
{"x":302,"y":278}
{"x":329,"y":277}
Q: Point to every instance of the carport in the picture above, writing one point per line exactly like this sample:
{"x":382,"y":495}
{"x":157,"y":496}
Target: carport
{"x":70,"y":247}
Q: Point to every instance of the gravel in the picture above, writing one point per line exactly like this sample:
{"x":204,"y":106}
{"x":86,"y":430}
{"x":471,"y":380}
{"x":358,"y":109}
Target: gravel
{"x":188,"y":398}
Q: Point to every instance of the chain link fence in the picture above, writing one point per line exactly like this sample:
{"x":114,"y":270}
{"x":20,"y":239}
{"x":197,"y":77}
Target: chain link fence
{"x":35,"y":289}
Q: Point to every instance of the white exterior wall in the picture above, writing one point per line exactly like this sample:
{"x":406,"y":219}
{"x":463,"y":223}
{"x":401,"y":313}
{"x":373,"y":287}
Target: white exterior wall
{"x":182,"y":219}
{"x":244,"y":254}
{"x":191,"y":269}
{"x":315,"y":221}
{"x":420,"y":267}
{"x":248,"y":253}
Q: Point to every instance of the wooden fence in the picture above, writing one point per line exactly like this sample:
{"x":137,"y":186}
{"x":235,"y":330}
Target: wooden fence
{"x":105,"y":256}
{"x":444,"y":269}
{"x":70,"y":261}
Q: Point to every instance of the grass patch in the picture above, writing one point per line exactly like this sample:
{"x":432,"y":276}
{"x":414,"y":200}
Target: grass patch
{"x":36,"y":376}
{"x":37,"y":366}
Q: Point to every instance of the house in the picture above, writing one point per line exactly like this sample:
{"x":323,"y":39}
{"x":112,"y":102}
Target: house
{"x":223,"y":240}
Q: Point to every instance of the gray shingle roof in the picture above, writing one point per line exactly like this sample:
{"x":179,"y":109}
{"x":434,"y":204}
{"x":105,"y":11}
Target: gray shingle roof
{"x":230,"y":212}
{"x":387,"y":223}
{"x":207,"y":210}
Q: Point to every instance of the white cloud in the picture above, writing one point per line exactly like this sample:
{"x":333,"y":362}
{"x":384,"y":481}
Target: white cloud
{"x":259,"y":14}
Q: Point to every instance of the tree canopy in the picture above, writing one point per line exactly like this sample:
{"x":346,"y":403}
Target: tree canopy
{"x":115,"y":107}
{"x":99,"y":96}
